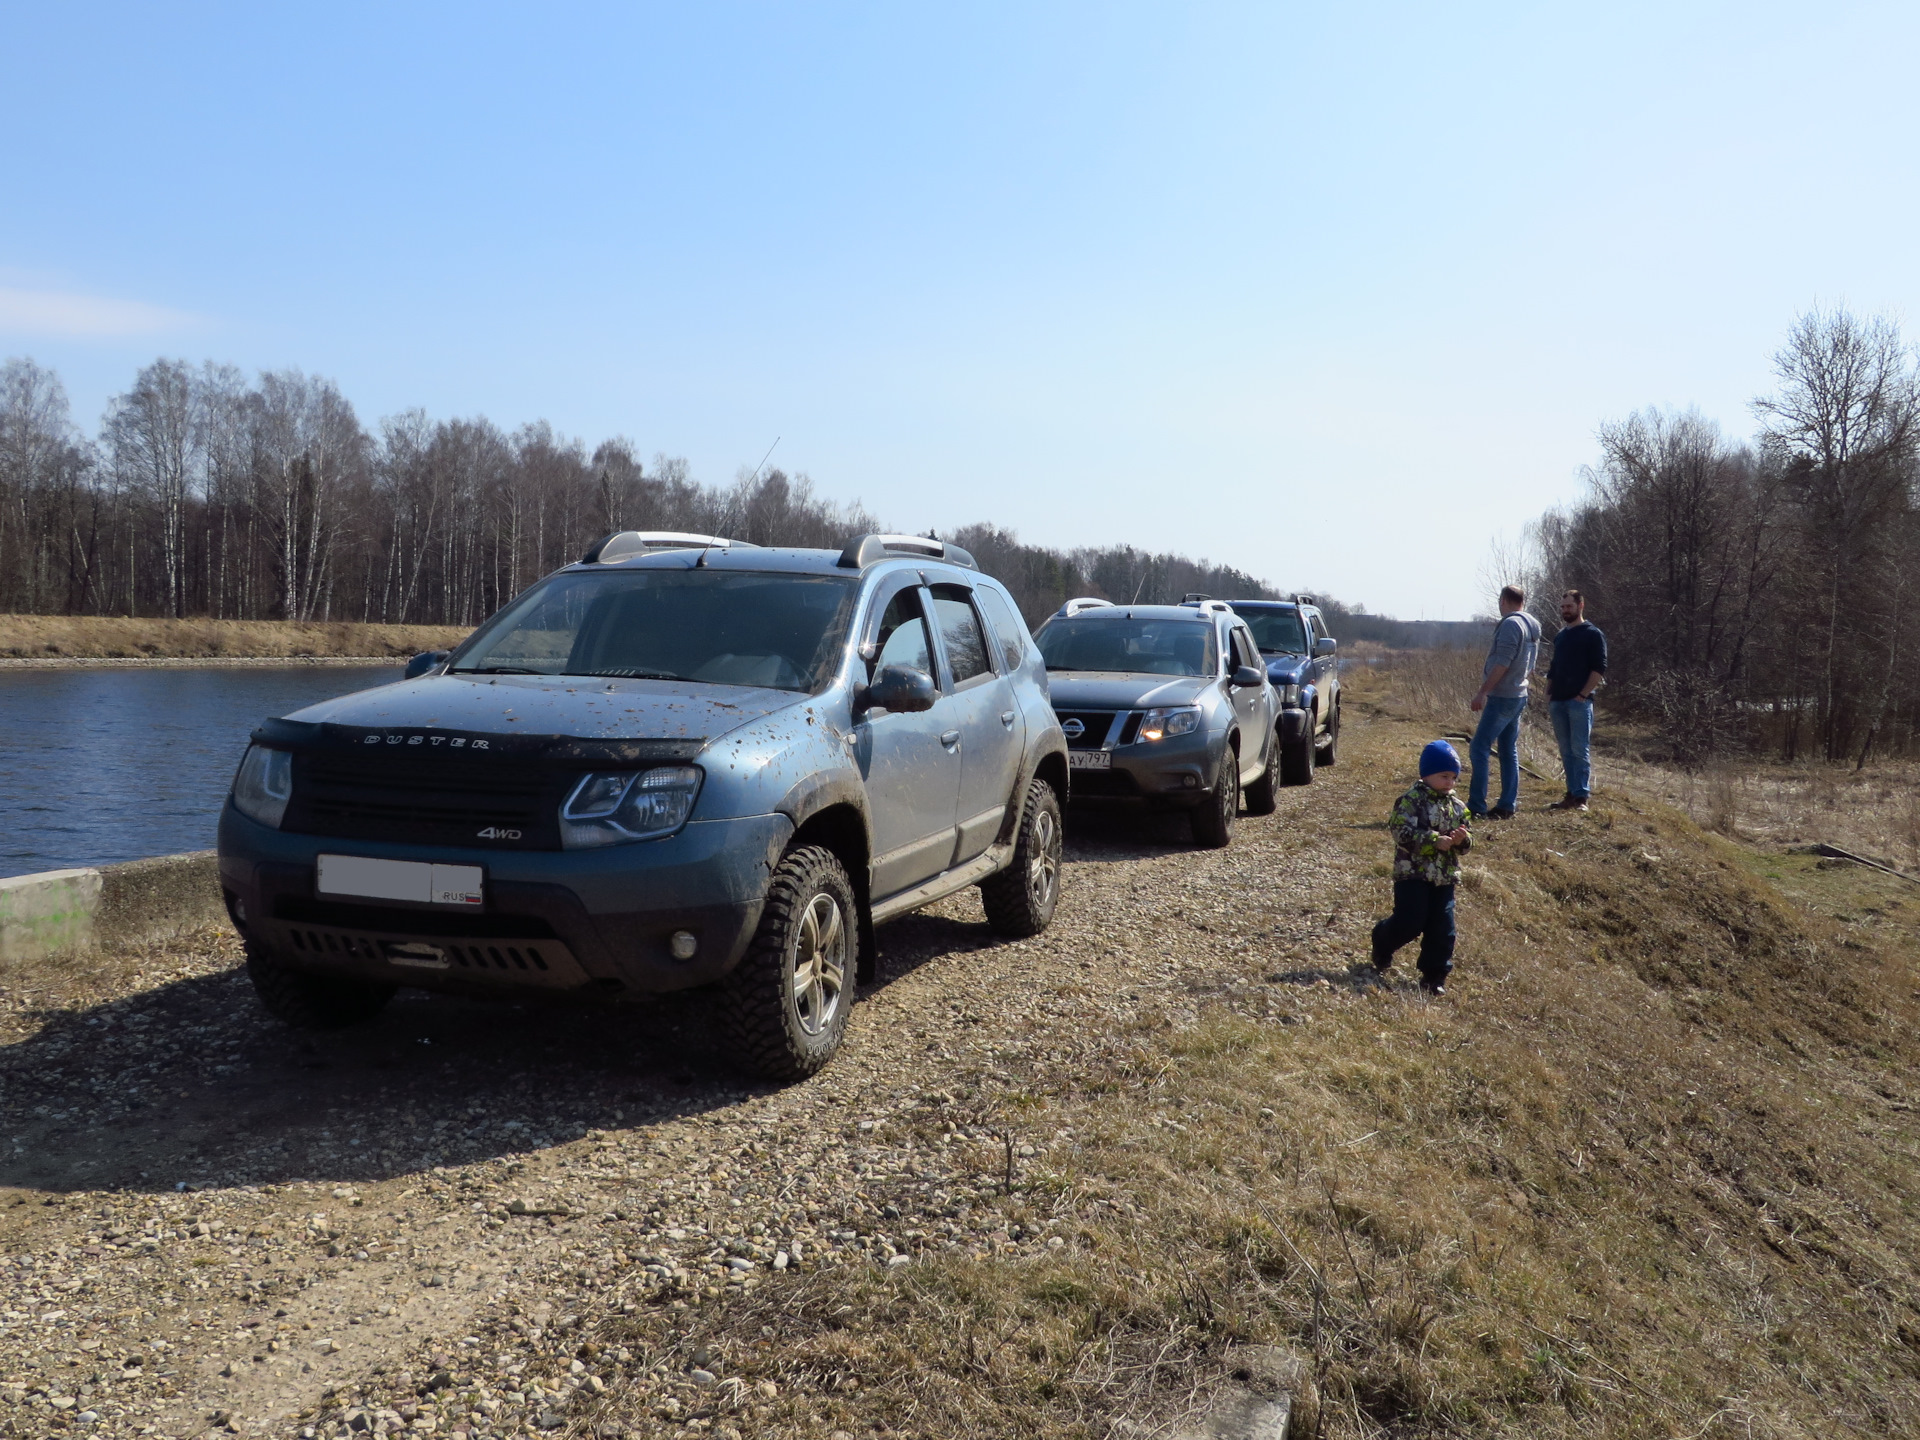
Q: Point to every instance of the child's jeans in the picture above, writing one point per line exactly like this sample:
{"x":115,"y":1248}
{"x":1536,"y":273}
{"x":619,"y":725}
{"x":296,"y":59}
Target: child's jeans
{"x":1499,"y":728}
{"x":1425,"y":910}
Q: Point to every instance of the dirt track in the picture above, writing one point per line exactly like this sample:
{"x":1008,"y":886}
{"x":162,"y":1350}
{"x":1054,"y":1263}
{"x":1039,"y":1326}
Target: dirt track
{"x":213,"y":1222}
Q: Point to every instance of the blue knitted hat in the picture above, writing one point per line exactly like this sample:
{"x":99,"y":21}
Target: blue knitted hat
{"x":1437,"y":757}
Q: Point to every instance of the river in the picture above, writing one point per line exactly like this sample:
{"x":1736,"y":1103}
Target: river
{"x":107,"y":764}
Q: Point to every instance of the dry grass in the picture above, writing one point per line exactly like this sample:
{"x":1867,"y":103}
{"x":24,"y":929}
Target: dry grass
{"x":1434,"y":687}
{"x":1645,"y":1172}
{"x":102,"y":637}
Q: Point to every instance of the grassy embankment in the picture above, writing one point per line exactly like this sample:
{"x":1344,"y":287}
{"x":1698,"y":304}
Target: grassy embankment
{"x":1646,"y":1171}
{"x":112,"y":637}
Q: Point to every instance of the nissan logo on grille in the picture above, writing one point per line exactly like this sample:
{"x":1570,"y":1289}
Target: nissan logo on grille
{"x":1073,"y":729}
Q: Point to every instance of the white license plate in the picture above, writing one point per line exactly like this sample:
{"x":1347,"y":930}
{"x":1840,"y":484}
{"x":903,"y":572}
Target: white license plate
{"x":414,"y":880}
{"x":1089,"y":760}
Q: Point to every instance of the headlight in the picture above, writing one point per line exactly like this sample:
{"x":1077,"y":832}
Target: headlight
{"x":263,"y":785}
{"x":1290,"y":697}
{"x":1159,"y":723}
{"x":619,"y":806}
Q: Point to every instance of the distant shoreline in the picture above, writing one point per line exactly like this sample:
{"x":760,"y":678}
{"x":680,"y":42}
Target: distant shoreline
{"x":64,"y":641}
{"x":193,"y":662}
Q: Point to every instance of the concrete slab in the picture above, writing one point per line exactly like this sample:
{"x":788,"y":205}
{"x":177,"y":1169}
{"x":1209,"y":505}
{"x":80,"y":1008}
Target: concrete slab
{"x":47,"y":914}
{"x":1238,"y":1414}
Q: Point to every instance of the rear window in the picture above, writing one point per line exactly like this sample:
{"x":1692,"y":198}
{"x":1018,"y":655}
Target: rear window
{"x":1277,"y":631}
{"x":1136,"y":647}
{"x":778,"y":632}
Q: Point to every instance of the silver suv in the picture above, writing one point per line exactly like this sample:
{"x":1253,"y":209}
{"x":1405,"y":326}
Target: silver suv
{"x":657,"y":769}
{"x":1166,"y":706}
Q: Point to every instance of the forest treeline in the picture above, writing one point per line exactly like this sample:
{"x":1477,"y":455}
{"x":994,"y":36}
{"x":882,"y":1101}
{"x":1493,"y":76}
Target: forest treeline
{"x":1759,"y":592}
{"x":206,"y":494}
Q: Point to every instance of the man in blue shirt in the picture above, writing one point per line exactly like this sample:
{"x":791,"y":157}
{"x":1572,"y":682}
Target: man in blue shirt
{"x":1579,"y":667}
{"x":1502,"y":698}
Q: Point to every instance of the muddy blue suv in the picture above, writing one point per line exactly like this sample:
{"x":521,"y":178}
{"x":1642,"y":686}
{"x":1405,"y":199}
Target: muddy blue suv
{"x":658,"y":769}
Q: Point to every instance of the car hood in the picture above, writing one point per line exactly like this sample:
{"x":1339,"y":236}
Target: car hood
{"x":1287,"y":669}
{"x":1117,"y":690}
{"x":587,"y":709}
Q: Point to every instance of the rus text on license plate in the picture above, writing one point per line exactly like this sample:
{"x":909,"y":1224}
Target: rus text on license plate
{"x":1089,"y":760}
{"x":415,"y":880}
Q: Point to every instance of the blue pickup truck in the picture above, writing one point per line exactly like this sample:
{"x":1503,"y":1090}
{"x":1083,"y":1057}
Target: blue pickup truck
{"x":1304,"y":667}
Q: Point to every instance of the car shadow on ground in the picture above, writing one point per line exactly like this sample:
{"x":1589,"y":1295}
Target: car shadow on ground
{"x":192,"y":1084}
{"x":1099,"y":835}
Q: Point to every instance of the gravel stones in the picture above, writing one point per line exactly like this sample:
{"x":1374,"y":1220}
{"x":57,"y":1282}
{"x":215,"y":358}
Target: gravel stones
{"x":377,"y":1236}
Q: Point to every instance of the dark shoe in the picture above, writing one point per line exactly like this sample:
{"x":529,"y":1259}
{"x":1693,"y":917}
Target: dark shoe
{"x":1568,"y":804}
{"x":1381,"y":967}
{"x":1433,"y":987}
{"x":1499,"y":812}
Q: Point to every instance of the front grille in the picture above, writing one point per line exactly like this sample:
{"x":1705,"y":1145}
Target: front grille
{"x":509,"y":958}
{"x":1094,"y":725}
{"x":452,"y":924}
{"x":434,"y":799}
{"x":521,"y":958}
{"x":1102,"y":785}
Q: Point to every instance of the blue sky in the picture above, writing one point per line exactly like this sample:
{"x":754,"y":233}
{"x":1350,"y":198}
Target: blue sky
{"x":1336,"y":294}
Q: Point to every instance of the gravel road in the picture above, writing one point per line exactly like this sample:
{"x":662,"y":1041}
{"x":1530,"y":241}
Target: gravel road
{"x":210,"y":1223}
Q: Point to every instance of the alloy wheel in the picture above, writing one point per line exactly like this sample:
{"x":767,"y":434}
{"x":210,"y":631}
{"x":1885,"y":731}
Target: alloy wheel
{"x":819,"y":959}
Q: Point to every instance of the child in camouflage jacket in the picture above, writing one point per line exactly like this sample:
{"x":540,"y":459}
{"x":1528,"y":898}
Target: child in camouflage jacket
{"x":1429,"y":825}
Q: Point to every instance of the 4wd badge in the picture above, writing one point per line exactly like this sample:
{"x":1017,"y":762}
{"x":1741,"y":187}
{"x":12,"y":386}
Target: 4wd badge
{"x":499,"y":832}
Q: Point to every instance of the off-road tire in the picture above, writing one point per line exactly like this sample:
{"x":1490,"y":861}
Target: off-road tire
{"x":1213,"y":818}
{"x":775,"y":1026}
{"x":307,"y":1001}
{"x":1330,"y":742}
{"x":1260,"y":796}
{"x":1020,"y":900}
{"x":1296,"y":759}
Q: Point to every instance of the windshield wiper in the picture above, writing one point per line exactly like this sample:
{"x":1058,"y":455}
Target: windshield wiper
{"x":499,"y":670}
{"x":628,"y":674}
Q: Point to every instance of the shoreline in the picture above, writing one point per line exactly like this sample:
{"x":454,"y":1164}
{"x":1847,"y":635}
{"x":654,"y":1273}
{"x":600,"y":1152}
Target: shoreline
{"x":143,"y":662}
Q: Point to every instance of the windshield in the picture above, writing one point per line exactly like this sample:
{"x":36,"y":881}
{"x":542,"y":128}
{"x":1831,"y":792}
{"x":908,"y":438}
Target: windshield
{"x":1276,"y":632}
{"x":1140,"y":647}
{"x":783,"y":632}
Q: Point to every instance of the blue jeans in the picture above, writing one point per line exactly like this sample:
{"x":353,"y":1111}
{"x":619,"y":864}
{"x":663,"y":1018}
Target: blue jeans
{"x":1422,"y":911}
{"x":1499,"y":726}
{"x":1573,"y":728}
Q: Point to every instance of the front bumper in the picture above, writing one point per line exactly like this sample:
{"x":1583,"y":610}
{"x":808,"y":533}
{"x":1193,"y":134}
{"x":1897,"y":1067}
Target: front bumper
{"x":580,"y":920}
{"x":1172,"y":773}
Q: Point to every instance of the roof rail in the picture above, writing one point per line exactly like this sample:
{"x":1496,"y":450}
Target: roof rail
{"x":625,"y":544}
{"x":1193,"y":595}
{"x":1300,"y":599}
{"x":865,"y":550}
{"x":1084,"y":602}
{"x":1208,"y":604}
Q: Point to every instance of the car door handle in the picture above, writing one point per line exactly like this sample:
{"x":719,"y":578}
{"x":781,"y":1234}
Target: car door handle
{"x":1006,"y":718}
{"x":950,"y":739}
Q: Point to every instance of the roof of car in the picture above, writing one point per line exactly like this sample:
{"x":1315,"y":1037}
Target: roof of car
{"x":1266,"y":605}
{"x":1145,"y":612}
{"x":782,"y":560}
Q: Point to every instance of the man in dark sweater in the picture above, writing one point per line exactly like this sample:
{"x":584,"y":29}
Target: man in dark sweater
{"x":1579,"y":667}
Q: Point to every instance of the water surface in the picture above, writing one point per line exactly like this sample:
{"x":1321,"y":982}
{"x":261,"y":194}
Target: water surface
{"x":99,"y":765}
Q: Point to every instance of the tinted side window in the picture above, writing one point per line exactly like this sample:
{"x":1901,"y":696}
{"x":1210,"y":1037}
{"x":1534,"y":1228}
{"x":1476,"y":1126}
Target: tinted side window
{"x":960,"y":629}
{"x":902,"y":636}
{"x":1244,"y":652}
{"x":1012,"y":630}
{"x":1319,"y":628}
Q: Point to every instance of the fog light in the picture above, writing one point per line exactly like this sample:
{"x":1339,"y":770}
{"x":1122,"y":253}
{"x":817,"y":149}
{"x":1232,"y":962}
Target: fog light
{"x":1190,"y":781}
{"x":683,"y":944}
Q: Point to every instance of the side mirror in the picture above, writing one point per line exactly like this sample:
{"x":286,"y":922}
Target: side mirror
{"x":423,"y":662}
{"x":1245,"y":675}
{"x":1325,"y":645}
{"x":900,"y":688}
